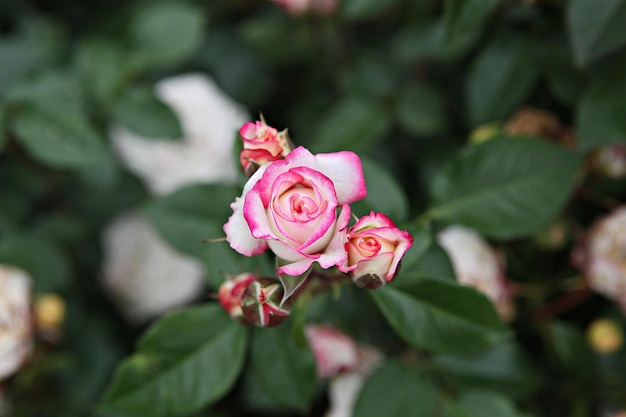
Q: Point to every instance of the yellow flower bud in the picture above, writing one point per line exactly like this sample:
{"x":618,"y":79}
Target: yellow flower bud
{"x":49,"y":311}
{"x":605,"y":336}
{"x":484,"y":132}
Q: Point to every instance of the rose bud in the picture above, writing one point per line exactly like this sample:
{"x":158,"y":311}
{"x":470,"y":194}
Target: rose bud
{"x":375,"y":247}
{"x":610,"y":161}
{"x":334,"y":351}
{"x":478,"y":265}
{"x":605,"y":336}
{"x":261,"y":144}
{"x":291,"y":206}
{"x":603,"y":259}
{"x":260,"y":303}
{"x":15,"y":319}
{"x":231,"y":291}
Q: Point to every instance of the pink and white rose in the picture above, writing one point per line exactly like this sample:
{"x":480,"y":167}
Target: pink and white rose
{"x":16,"y":330}
{"x":602,"y":256}
{"x":261,"y":144}
{"x":478,"y":265}
{"x":231,"y":291}
{"x":291,"y":205}
{"x":375,"y":247}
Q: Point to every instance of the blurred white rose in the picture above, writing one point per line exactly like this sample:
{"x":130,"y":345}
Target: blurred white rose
{"x":603,"y":256}
{"x":210,"y":121}
{"x":144,"y":275}
{"x":478,"y":265}
{"x":345,"y":388}
{"x":15,"y":319}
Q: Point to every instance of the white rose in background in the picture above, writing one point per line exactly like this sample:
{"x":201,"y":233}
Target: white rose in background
{"x":143,"y":274}
{"x":15,"y":319}
{"x":478,"y":265}
{"x":602,"y":257}
{"x":345,"y":362}
{"x":209,"y":120}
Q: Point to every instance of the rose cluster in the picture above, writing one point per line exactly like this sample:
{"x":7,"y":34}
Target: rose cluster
{"x":296,"y":204}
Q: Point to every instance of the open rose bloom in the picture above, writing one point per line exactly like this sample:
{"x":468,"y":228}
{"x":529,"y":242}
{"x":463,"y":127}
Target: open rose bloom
{"x":602,"y":257}
{"x":478,"y":265}
{"x":375,"y":247}
{"x":298,"y":207}
{"x":15,"y":319}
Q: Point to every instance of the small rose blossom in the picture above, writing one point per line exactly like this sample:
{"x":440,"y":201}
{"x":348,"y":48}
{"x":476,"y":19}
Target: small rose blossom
{"x":232,"y":290}
{"x":291,"y":207}
{"x":209,"y":120}
{"x":15,"y":319}
{"x":261,"y":144}
{"x":334,"y":350}
{"x":602,"y":256}
{"x":478,"y":265}
{"x":375,"y":248}
{"x":143,"y":274}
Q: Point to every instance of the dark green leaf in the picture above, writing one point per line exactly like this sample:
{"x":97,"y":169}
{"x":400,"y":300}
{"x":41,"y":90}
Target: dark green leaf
{"x":166,"y":33}
{"x":364,"y":9}
{"x":422,"y":240}
{"x":396,"y":390}
{"x":142,"y":112}
{"x":572,"y":353}
{"x":596,"y":28}
{"x":601,"y":114}
{"x":505,"y":369}
{"x":285,"y":372}
{"x":505,"y":187}
{"x":384,"y":195}
{"x":421,"y":110}
{"x":466,"y":16}
{"x":436,"y":263}
{"x":45,"y":263}
{"x":501,"y":77}
{"x":63,"y":140}
{"x":481,"y":404}
{"x":425,"y":40}
{"x":350,"y":124}
{"x":191,"y":215}
{"x":183,"y":362}
{"x":3,"y":136}
{"x":102,"y":66}
{"x":440,"y":315}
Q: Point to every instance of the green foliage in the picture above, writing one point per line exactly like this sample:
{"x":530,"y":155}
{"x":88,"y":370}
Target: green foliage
{"x":182,"y":363}
{"x":506,"y":187}
{"x":440,"y":316}
{"x":399,"y":385}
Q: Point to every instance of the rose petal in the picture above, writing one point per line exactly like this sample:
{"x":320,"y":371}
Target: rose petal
{"x":346,"y":172}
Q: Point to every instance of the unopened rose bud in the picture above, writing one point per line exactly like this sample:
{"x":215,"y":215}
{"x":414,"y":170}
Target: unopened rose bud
{"x":334,"y":351}
{"x":15,"y":319}
{"x":375,"y":247}
{"x":261,"y":303}
{"x":261,"y":144}
{"x":484,"y":132}
{"x":49,"y":312}
{"x":605,"y":336}
{"x":610,"y":161}
{"x":232,"y":290}
{"x":555,"y":236}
